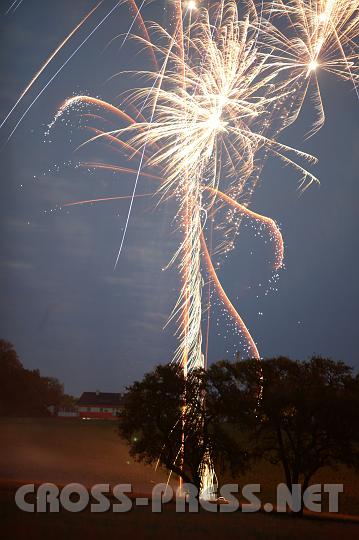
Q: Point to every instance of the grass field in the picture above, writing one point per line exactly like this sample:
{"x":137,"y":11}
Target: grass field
{"x":90,"y":452}
{"x":70,"y":450}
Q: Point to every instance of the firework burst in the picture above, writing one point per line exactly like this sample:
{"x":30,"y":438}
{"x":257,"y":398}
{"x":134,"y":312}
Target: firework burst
{"x":198,"y":126}
{"x":320,"y":36}
{"x":221,"y":86}
{"x":200,"y":123}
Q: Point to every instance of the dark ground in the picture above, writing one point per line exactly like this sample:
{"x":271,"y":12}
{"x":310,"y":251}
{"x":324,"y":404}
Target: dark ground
{"x":141,"y":523}
{"x":64,"y":451}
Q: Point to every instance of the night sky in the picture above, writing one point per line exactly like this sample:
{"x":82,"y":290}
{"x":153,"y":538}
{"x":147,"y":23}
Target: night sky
{"x":62,"y":305}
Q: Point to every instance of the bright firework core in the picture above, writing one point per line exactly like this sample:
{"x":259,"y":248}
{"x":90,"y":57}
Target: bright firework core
{"x":215,"y":123}
{"x":215,"y":120}
{"x":323,"y":17}
{"x":191,"y":4}
{"x":312,"y":66}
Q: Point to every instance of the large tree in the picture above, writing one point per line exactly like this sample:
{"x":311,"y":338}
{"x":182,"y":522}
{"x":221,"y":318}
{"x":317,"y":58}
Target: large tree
{"x":305,"y":417}
{"x":167,"y":418}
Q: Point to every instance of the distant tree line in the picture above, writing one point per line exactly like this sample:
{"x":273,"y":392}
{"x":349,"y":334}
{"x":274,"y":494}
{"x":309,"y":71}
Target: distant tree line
{"x":301,"y":415}
{"x":25,"y":392}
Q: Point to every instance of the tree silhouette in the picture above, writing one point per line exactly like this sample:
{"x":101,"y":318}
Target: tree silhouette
{"x":307,"y":416}
{"x":164,"y":410}
{"x":24,"y":392}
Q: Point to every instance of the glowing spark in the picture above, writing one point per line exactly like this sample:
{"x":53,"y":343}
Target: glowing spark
{"x":313,"y":65}
{"x":105,"y":199}
{"x":191,"y":5}
{"x":252,"y":348}
{"x":13,"y":7}
{"x":50,"y":58}
{"x":57,"y":72}
{"x":323,"y":17}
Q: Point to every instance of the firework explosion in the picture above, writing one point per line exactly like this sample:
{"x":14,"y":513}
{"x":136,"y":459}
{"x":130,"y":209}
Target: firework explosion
{"x":221,"y":86}
{"x":320,"y":36}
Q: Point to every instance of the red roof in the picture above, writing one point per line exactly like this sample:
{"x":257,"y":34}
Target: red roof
{"x":97,"y":399}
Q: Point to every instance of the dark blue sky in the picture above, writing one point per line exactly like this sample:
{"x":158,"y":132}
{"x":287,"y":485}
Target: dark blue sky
{"x":62,"y":305}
